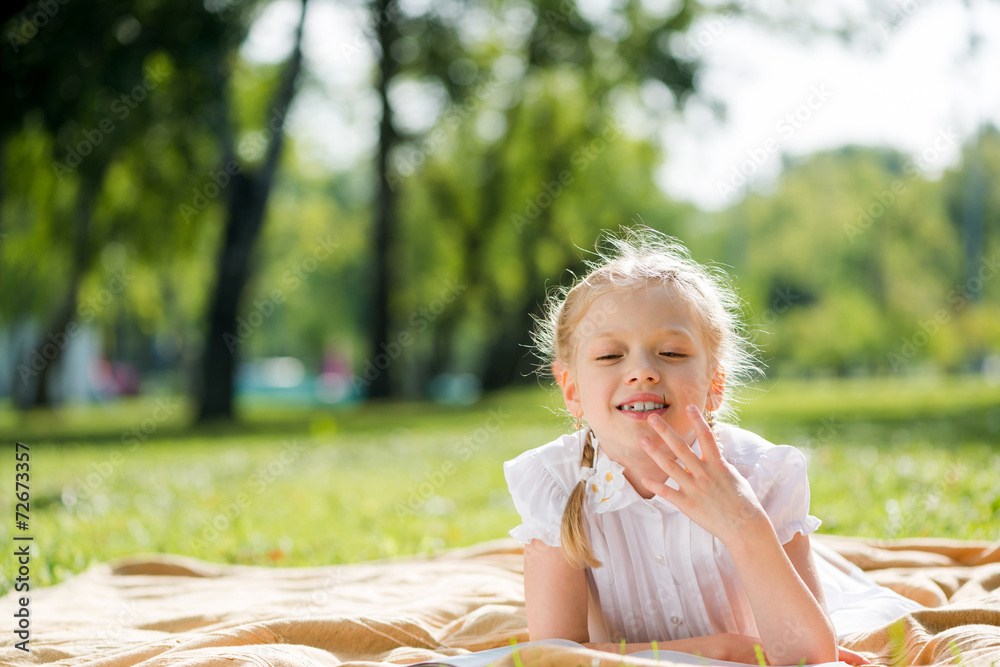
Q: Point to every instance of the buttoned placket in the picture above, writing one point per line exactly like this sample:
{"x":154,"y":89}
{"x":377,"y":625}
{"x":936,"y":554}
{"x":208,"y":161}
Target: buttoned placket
{"x":657,"y":510}
{"x":654,"y":513}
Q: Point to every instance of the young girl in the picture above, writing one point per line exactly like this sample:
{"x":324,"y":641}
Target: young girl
{"x":655,"y":521}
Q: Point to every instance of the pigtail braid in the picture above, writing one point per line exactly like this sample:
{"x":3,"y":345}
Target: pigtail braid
{"x":572,"y":533}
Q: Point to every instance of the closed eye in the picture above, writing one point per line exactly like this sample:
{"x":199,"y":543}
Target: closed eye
{"x":673,"y":354}
{"x":607,"y":357}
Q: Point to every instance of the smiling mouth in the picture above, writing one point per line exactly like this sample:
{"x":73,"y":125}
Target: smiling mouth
{"x":642,"y":406}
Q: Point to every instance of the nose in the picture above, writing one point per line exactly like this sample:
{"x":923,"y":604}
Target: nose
{"x":643,"y":371}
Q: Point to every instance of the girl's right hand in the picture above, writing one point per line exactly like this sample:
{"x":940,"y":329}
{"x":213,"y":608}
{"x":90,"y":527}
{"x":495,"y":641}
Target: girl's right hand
{"x":711,"y":492}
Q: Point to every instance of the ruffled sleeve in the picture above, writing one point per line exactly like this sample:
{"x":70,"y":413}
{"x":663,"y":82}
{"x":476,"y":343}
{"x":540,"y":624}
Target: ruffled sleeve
{"x":538,"y":496}
{"x":780,"y":480}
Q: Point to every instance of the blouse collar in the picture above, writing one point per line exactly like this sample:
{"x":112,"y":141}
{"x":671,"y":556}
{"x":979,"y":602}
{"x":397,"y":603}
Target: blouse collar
{"x":607,"y":488}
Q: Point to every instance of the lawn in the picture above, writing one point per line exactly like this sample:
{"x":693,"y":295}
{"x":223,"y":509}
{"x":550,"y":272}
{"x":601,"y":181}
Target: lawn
{"x":888,"y":458}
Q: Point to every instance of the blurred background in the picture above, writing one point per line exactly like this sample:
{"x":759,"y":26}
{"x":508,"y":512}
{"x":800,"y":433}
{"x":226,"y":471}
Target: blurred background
{"x":326,"y":202}
{"x":226,"y":212}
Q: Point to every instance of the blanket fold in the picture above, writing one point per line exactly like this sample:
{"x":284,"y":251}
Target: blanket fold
{"x":161,"y":609}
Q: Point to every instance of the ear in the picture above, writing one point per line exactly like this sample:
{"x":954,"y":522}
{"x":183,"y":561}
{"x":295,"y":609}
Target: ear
{"x":570,"y":392}
{"x":717,"y":389}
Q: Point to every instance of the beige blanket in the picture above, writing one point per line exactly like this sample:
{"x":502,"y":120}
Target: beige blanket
{"x":171,"y":610}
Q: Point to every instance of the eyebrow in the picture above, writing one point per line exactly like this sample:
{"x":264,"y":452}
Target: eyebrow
{"x":684,"y":333}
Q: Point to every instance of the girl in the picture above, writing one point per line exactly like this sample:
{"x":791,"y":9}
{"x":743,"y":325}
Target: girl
{"x":654,"y":521}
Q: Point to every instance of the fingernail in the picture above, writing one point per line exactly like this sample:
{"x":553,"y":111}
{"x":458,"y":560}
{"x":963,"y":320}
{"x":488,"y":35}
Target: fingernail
{"x":654,"y":418}
{"x":645,"y":443}
{"x":693,"y":409}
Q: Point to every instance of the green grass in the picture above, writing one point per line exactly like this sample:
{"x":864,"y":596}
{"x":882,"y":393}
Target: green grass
{"x":309,"y":487}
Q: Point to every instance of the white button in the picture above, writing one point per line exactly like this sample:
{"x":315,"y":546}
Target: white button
{"x":660,"y":559}
{"x":676,"y":620}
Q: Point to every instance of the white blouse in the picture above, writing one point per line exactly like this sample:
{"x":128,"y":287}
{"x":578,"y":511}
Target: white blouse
{"x":663,"y":577}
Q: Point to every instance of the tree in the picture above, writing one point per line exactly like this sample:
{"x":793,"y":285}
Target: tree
{"x":843,"y":261}
{"x":428,"y":58}
{"x":557,"y":42}
{"x":246,"y":205}
{"x":510,"y":204}
{"x":65,"y":69}
{"x":974,"y":212}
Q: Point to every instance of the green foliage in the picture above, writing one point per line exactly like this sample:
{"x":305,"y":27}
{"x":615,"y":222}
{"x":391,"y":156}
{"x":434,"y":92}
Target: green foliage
{"x":28,"y":257}
{"x":513,"y":216}
{"x":854,"y":264}
{"x":315,"y":294}
{"x":109,"y":198}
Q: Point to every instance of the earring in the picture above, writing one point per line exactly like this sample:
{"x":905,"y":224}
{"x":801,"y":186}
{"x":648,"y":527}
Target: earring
{"x":577,"y":422}
{"x":710,"y":418}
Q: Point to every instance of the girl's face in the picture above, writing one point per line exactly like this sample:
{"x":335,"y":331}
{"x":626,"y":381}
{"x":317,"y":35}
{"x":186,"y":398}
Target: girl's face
{"x":638,"y":352}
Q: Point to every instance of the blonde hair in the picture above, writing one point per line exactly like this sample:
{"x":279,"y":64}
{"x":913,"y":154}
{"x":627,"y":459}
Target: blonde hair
{"x":638,"y":258}
{"x":572,"y":533}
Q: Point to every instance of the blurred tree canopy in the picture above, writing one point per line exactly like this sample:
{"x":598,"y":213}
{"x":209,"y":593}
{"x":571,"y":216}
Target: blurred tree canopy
{"x":528,"y":47}
{"x":431,"y":256}
{"x":137,"y":167}
{"x":89,"y":102}
{"x":856,"y":263}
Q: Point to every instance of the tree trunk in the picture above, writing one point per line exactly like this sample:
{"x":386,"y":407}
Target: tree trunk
{"x":509,"y":354}
{"x":219,"y":358}
{"x":247,"y":205}
{"x":510,"y":358}
{"x":385,"y":206}
{"x":56,"y":337}
{"x":973,"y":206}
{"x":476,"y":235}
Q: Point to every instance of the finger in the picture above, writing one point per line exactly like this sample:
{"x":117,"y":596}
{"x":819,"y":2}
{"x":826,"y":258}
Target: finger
{"x":706,"y":438}
{"x":851,"y":658}
{"x":663,"y":457}
{"x":668,"y":493}
{"x":675,"y":442}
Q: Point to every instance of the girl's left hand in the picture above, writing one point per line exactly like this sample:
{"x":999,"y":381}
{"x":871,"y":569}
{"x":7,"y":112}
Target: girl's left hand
{"x":711,"y":492}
